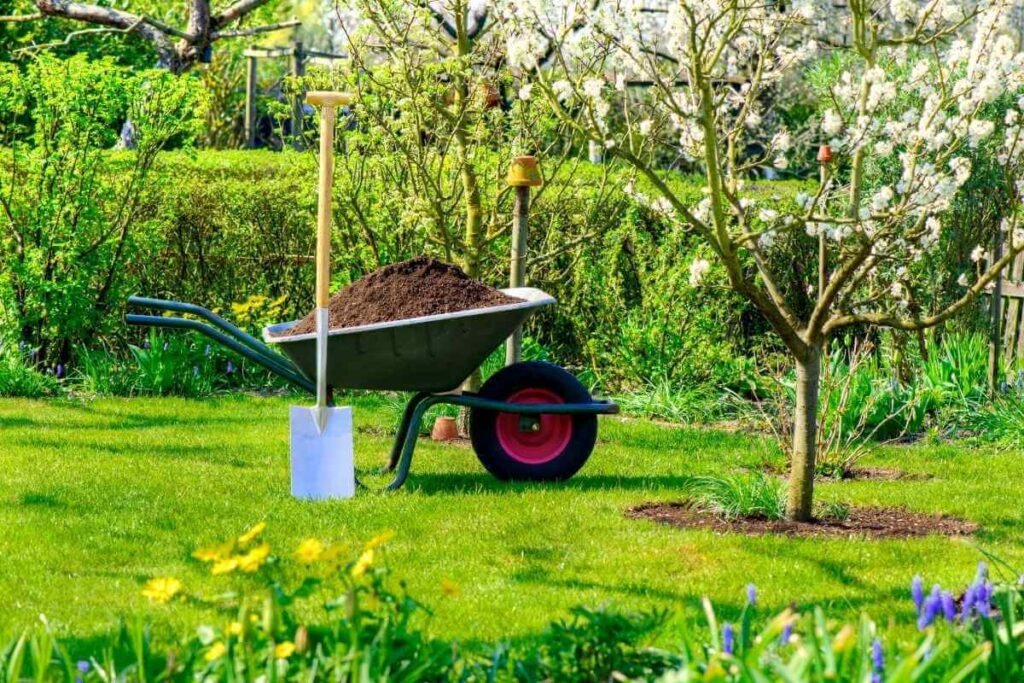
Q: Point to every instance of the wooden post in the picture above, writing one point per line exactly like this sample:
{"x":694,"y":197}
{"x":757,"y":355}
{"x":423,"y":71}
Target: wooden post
{"x":298,"y":70}
{"x":995,"y":346}
{"x":250,"y":101}
{"x":522,"y":175}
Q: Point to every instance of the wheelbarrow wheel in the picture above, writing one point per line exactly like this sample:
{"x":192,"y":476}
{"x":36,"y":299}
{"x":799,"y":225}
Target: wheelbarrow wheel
{"x":534,"y":448}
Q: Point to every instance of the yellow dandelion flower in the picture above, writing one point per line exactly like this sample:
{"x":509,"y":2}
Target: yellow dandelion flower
{"x":309,"y":551}
{"x":216,"y":651}
{"x":235,"y":628}
{"x":225,"y":566}
{"x":380,"y":539}
{"x":161,"y":589}
{"x":214,"y":553}
{"x":450,"y":588}
{"x":362,"y":564}
{"x":284,"y":650}
{"x":252,"y":533}
{"x":254,"y":559}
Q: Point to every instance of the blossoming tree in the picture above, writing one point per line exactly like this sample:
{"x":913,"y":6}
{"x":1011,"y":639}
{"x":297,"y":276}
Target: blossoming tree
{"x":910,"y":109}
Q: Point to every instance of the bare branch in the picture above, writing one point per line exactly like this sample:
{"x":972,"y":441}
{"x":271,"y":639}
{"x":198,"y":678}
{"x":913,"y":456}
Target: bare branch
{"x":218,"y":35}
{"x":13,"y":18}
{"x":234,"y":12}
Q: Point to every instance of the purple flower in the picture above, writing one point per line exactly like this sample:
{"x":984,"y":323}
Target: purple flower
{"x":145,"y":345}
{"x":948,"y":606}
{"x":983,"y":602}
{"x":83,"y":666}
{"x":970,"y":597}
{"x":231,"y":368}
{"x":751,"y":595}
{"x":982,"y":571}
{"x":60,"y":371}
{"x":877,"y":656}
{"x":728,"y":639}
{"x":787,"y":633}
{"x":931,"y":608}
{"x":876,"y":677}
{"x":917,"y":592}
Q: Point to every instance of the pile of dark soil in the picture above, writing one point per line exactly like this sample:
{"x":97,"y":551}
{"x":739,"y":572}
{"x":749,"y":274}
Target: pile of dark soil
{"x":410,"y":289}
{"x":862,"y":522}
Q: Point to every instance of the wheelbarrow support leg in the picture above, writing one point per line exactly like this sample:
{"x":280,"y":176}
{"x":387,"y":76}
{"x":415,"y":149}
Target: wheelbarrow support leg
{"x":400,"y":437}
{"x":409,"y":439}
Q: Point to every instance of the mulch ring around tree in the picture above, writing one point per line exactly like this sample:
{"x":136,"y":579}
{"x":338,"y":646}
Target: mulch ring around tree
{"x":869,"y":522}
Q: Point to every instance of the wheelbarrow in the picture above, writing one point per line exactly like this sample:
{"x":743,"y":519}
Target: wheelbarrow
{"x":530,"y":421}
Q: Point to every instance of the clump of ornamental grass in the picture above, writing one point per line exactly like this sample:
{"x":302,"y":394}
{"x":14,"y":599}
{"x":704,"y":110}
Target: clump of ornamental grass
{"x":757,"y":496}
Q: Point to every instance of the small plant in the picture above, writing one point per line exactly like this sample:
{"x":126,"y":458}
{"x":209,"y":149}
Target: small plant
{"x":757,"y":496}
{"x":20,"y":378}
{"x":666,"y":400}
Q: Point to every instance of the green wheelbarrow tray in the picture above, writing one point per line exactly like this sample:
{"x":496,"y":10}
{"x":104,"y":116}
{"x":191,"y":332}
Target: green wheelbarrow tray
{"x":433,"y":353}
{"x":429,"y":355}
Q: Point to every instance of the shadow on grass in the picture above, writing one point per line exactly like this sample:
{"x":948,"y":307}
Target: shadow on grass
{"x":431,"y":483}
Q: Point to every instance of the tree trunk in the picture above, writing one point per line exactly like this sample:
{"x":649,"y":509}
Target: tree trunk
{"x":805,"y":434}
{"x":471,"y":258}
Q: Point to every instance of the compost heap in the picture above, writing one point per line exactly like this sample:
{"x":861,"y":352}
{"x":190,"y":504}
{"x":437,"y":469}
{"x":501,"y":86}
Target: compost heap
{"x":410,"y":289}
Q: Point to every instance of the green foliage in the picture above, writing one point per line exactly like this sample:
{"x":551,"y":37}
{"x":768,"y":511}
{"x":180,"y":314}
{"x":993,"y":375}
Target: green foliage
{"x":20,"y":377}
{"x":73,"y":239}
{"x":168,"y":365}
{"x":758,"y":496}
{"x":330,"y":613}
{"x":666,"y":400}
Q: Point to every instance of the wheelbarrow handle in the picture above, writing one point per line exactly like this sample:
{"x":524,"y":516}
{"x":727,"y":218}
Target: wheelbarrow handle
{"x":206,"y":314}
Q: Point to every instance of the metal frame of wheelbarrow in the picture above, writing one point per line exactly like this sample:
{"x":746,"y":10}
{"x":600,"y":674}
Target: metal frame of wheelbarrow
{"x":400,"y":461}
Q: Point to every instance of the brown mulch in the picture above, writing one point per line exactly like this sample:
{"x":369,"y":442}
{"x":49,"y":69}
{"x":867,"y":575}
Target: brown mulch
{"x":410,"y":289}
{"x":867,"y":522}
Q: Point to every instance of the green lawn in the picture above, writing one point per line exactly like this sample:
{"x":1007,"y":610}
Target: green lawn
{"x":98,"y":496}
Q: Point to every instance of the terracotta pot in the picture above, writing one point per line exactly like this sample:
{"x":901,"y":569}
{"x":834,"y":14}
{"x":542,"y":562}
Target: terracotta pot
{"x":445,"y":429}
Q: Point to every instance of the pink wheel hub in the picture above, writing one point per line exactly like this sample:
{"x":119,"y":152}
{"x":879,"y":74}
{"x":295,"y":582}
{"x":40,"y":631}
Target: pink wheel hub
{"x":539,"y":445}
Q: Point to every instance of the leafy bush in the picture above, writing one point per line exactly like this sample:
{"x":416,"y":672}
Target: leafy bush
{"x":73,"y":232}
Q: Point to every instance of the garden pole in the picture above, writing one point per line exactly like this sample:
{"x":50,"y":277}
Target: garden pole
{"x":523,"y":174}
{"x":250,"y":100}
{"x":824,"y":156}
{"x":298,"y":69}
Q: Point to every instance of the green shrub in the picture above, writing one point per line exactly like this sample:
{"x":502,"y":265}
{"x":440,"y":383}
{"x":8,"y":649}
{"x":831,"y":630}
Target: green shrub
{"x":19,"y":377}
{"x":72,"y":232}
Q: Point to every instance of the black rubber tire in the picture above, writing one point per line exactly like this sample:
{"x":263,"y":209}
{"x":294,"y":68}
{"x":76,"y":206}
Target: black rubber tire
{"x":505,"y":383}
